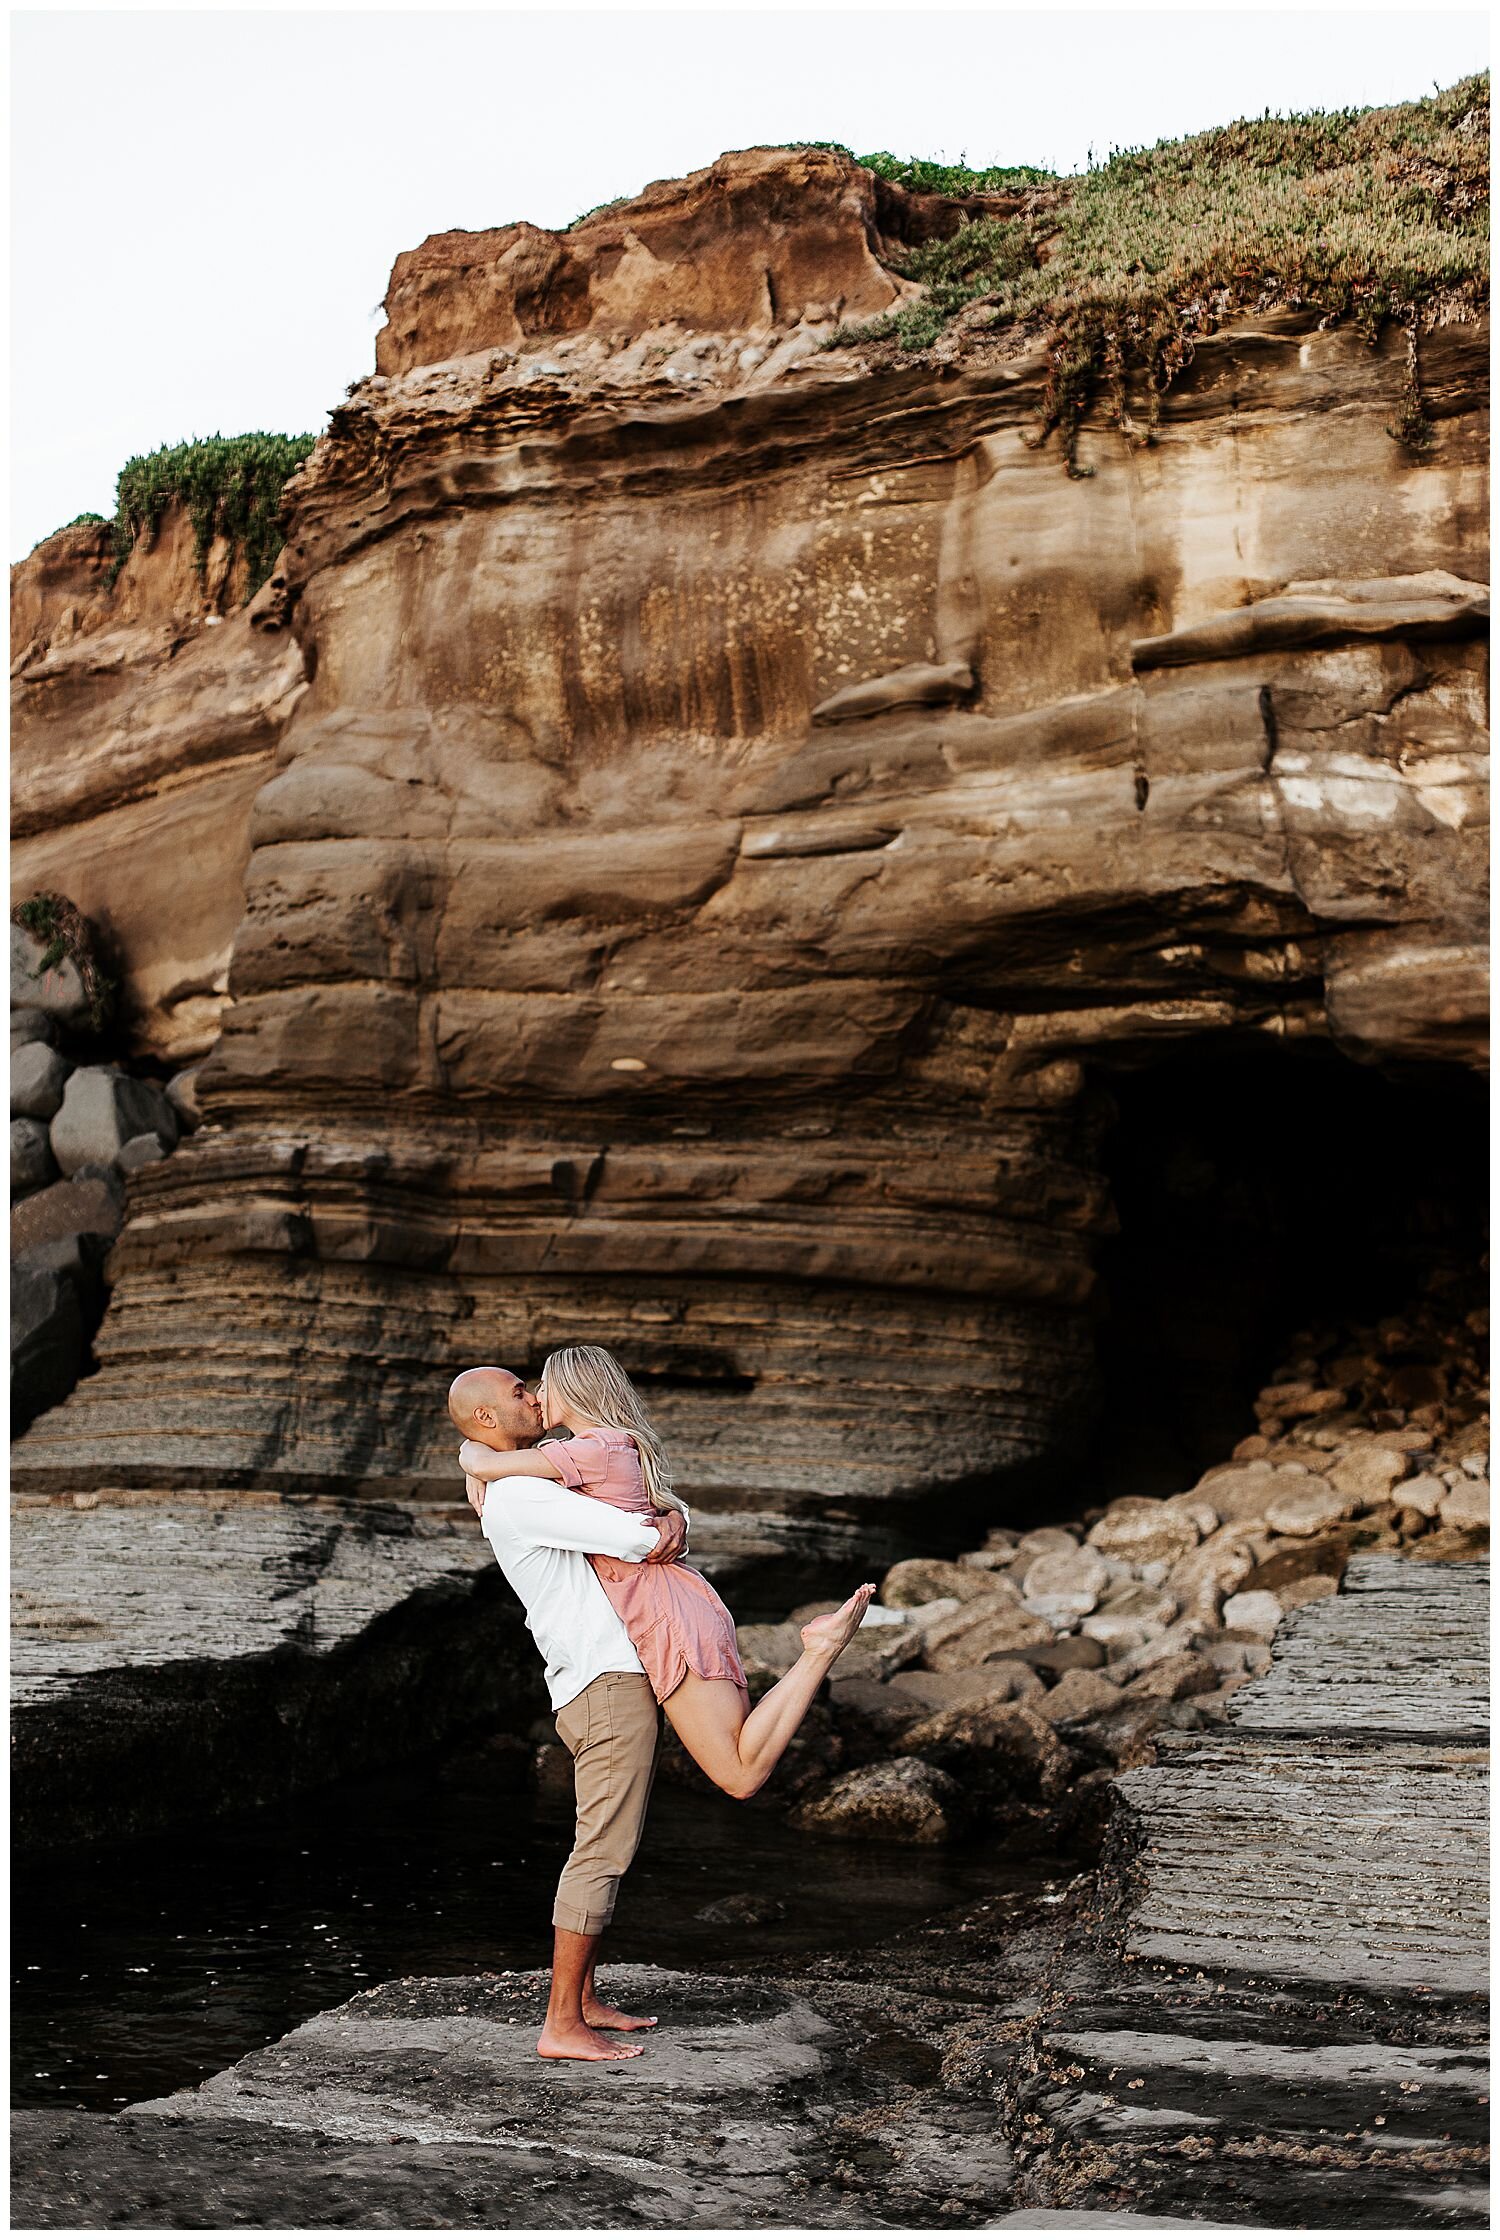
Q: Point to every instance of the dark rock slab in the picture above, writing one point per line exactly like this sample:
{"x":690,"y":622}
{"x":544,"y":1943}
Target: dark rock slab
{"x":755,"y":2105}
{"x":172,"y":1657}
{"x":1285,"y":2002}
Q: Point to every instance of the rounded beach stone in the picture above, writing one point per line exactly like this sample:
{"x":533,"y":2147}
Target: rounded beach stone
{"x":1256,"y":1612}
{"x":982,"y":1632}
{"x":1066,"y":1586}
{"x":100,"y":1112}
{"x":925,"y":1578}
{"x":1312,"y":1509}
{"x":141,"y":1151}
{"x":1077,"y":1696}
{"x":1141,"y":1531}
{"x":38,"y":1076}
{"x":1466,"y":1507}
{"x":1423,"y":1493}
{"x":901,"y":1800}
{"x":1368,"y":1473}
{"x":32,"y":1165}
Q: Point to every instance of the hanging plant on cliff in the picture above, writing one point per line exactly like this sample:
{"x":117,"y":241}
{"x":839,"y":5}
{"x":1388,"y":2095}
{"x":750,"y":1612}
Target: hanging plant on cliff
{"x":1366,"y":216}
{"x":68,"y":935}
{"x":231,"y":486}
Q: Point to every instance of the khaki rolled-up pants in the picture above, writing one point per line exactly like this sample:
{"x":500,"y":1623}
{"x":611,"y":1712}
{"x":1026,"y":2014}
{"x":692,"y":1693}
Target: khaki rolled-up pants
{"x":614,"y":1733}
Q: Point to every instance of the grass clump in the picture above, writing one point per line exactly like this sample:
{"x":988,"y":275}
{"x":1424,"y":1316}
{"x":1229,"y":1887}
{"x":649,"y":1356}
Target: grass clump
{"x":980,"y":261}
{"x":1366,"y":216}
{"x":67,"y":933}
{"x":231,"y":486}
{"x":921,"y":175}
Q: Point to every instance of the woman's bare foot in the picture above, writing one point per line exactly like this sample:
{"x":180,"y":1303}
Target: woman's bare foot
{"x":599,"y":2016}
{"x":832,"y":1635}
{"x":575,"y":2041}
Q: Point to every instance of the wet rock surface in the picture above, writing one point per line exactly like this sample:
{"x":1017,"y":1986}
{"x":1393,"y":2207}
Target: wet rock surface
{"x":756,"y":2104}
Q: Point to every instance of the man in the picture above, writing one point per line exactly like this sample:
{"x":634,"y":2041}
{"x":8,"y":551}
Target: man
{"x":542,"y":1536}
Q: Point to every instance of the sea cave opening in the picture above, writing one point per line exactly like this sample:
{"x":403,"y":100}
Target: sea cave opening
{"x":1259,"y":1196}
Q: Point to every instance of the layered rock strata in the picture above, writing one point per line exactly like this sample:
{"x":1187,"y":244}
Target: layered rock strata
{"x":144,"y":719}
{"x":739,"y":792}
{"x":1290,"y":1999}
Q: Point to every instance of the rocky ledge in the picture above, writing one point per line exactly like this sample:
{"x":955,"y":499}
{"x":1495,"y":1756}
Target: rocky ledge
{"x":980,"y":2063}
{"x":176,"y":1657}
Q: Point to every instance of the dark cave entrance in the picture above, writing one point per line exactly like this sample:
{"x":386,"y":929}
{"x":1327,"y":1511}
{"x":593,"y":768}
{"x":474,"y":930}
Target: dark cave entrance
{"x":1260,"y":1194}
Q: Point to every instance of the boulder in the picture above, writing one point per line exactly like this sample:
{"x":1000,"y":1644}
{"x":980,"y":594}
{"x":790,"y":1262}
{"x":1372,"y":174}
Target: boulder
{"x":1174,"y":1641}
{"x":1005,"y":1682}
{"x":32,"y":1165}
{"x":1129,"y":1612}
{"x":1300,"y":1514}
{"x":981,"y":1633}
{"x":1200,"y":1579}
{"x":141,"y":1151}
{"x":1311,"y":1588}
{"x":1121,"y":1736}
{"x":899,"y":1800}
{"x":742,"y":1909}
{"x":56,"y":989}
{"x":1071,"y":1652}
{"x":923,"y":1579}
{"x":182,"y":1095}
{"x":1424,"y":1493}
{"x":30,"y":1025}
{"x":85,"y":1207}
{"x":1140,"y":1531}
{"x":46,"y":1342}
{"x":1301,"y":1560}
{"x":1009,"y":1747}
{"x":38,"y":1076}
{"x":1187,"y":1672}
{"x":1078,"y":1695}
{"x":1067,"y":1585}
{"x":1257,"y":1612}
{"x":1466,"y":1506}
{"x":1238,"y":1492}
{"x":100,"y":1112}
{"x":1368,"y":1473}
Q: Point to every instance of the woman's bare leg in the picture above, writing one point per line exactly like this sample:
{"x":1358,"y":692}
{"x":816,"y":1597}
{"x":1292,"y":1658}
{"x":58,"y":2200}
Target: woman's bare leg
{"x":739,"y":1750}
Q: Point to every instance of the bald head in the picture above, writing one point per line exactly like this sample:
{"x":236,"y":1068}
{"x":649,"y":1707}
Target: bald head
{"x":494,"y":1405}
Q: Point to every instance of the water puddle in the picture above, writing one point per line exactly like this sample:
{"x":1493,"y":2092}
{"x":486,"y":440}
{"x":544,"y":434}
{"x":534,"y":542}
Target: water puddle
{"x":147,"y":1970}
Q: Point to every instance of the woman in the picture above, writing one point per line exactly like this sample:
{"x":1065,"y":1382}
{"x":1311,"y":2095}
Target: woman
{"x":680,"y":1629}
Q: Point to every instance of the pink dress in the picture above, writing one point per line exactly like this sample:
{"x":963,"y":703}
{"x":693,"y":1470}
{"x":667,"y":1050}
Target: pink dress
{"x":676,"y":1623}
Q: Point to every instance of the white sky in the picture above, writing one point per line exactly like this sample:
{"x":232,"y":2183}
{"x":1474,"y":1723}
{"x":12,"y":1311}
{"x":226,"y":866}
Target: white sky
{"x":206,"y":203}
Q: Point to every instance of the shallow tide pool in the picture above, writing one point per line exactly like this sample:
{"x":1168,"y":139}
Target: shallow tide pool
{"x":146,"y":1970}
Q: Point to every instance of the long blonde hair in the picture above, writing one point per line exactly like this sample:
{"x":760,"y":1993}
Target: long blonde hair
{"x":588,"y":1386}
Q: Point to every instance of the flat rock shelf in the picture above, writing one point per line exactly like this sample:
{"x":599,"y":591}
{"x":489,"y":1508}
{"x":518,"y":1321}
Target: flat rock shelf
{"x":1287,"y":2004}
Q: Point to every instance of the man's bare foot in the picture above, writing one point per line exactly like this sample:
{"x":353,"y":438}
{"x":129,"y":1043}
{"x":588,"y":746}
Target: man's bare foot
{"x":832,"y":1635}
{"x":599,"y":2016}
{"x":575,"y":2041}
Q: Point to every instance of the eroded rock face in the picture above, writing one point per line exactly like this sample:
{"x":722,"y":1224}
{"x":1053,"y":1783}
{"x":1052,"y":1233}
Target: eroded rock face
{"x":737,"y":793}
{"x":144,"y":719}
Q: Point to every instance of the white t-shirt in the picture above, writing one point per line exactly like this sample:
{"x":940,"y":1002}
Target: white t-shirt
{"x":542,"y":1536}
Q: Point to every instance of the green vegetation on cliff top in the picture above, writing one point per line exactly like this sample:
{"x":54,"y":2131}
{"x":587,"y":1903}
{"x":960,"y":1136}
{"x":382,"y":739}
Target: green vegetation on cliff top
{"x":1363,"y":215}
{"x":231,"y":486}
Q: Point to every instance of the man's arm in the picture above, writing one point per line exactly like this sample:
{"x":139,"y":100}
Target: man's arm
{"x":551,"y":1517}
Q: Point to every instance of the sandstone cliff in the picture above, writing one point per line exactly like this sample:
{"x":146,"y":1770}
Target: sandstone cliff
{"x":715,"y":806}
